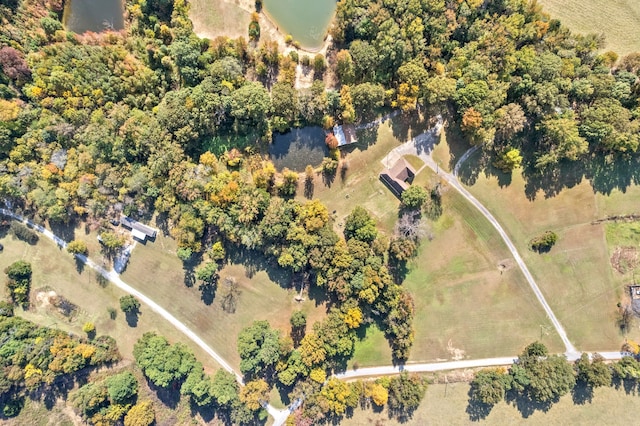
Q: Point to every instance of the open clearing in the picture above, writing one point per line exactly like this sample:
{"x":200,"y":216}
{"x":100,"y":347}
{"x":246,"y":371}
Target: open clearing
{"x":618,"y":20}
{"x":469,"y":301}
{"x":213,"y":18}
{"x":155,"y":270}
{"x":55,"y":269}
{"x":447,"y":405}
{"x":575,"y":276}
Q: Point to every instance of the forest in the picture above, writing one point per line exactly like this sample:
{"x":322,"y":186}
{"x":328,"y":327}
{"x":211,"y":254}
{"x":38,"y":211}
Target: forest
{"x":154,"y":121}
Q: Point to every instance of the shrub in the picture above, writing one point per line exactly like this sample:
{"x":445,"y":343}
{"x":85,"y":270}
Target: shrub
{"x":254,"y":30}
{"x":544,"y":242}
{"x":89,"y":327}
{"x":23,"y":233}
{"x":6,"y":309}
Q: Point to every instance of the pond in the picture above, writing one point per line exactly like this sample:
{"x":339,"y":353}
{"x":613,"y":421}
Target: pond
{"x":306,"y":20}
{"x":93,"y":15}
{"x":298,"y":148}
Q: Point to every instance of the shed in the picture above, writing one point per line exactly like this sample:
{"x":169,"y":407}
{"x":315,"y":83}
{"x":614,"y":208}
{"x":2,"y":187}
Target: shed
{"x":399,"y":177}
{"x":345,"y":134}
{"x":139,"y":230}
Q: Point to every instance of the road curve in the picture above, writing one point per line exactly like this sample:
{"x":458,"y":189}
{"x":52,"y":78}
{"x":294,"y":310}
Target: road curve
{"x":114,"y":278}
{"x":422,"y":146}
{"x":452,"y":179}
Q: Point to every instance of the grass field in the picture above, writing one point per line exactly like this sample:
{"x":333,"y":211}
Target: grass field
{"x":465,"y":307}
{"x":212,"y":18}
{"x":55,"y":270}
{"x":155,"y":270}
{"x":618,"y":20}
{"x":575,"y":276}
{"x":447,"y":405}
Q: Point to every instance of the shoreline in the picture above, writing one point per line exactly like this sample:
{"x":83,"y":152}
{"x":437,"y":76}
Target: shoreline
{"x":269,"y":29}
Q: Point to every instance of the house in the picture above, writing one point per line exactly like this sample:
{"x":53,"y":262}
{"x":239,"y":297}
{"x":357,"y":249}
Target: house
{"x":139,"y":231}
{"x":345,"y":134}
{"x":399,"y":177}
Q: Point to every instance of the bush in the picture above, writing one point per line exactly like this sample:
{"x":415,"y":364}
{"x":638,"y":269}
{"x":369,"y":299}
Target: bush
{"x":544,"y":242}
{"x":254,"y":30}
{"x":23,"y":233}
{"x":6,"y":309}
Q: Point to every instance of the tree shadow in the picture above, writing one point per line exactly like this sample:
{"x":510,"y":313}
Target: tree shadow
{"x":582,"y":393}
{"x":80,"y":265}
{"x":255,"y":261}
{"x":308,"y":188}
{"x":189,"y":277}
{"x":477,"y":410}
{"x":132,"y":318}
{"x":64,"y":230}
{"x":207,"y":292}
{"x":168,"y":396}
{"x":526,"y":405}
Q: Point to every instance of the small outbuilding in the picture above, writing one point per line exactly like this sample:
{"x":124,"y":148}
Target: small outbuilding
{"x":399,"y":177}
{"x":635,"y":291}
{"x":139,"y":231}
{"x":345,"y":134}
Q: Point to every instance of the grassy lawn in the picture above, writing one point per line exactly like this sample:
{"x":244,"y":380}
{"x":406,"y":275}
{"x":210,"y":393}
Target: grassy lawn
{"x":464,"y":305}
{"x":575,"y":276}
{"x":55,"y":270}
{"x":155,"y":270}
{"x":618,"y":20}
{"x":447,"y":405}
{"x":219,"y":18}
{"x":471,"y":300}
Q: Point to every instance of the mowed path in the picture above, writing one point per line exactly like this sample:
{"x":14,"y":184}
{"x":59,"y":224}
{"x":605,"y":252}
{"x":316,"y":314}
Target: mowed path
{"x":422,"y":146}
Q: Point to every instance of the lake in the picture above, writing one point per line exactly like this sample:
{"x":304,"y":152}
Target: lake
{"x":93,"y":15}
{"x":298,"y":148}
{"x":306,"y":20}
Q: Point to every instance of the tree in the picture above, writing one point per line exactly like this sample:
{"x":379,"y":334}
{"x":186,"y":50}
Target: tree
{"x":122,"y":387}
{"x":89,"y":328}
{"x":19,"y":281}
{"x":544,"y":241}
{"x":336,"y":396}
{"x":141,"y":414}
{"x":344,"y":67}
{"x":414,"y":197}
{"x":593,"y":373}
{"x":163,"y":364}
{"x":129,"y":304}
{"x":360,"y":225}
{"x":77,"y":247}
{"x":319,"y":64}
{"x":23,"y":233}
{"x":489,"y":385}
{"x":111,"y":241}
{"x":259,"y":349}
{"x":208,"y":272}
{"x":405,"y":393}
{"x":510,"y":120}
{"x":254,"y":394}
{"x":224,"y":388}
{"x":509,"y":159}
{"x":378,"y":394}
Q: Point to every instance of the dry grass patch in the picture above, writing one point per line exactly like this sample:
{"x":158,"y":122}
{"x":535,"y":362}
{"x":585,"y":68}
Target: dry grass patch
{"x":447,"y":404}
{"x":467,"y":296}
{"x":618,"y":20}
{"x":55,"y":271}
{"x":219,"y":18}
{"x":575,"y":276}
{"x":155,"y":270}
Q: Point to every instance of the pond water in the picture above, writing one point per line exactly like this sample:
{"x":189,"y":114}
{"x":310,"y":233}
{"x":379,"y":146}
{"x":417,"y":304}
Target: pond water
{"x":306,"y":20}
{"x":298,"y":148}
{"x":93,"y":15}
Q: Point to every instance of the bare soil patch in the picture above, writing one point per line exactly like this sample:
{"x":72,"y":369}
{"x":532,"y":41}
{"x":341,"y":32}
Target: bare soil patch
{"x":624,"y":259}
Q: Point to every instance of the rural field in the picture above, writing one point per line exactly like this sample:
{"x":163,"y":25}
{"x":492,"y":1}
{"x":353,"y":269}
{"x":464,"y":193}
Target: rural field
{"x":576,"y":276}
{"x":618,"y":20}
{"x":448,"y":405}
{"x":219,"y":18}
{"x":155,"y":270}
{"x":465,"y":306}
{"x":54,"y":270}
